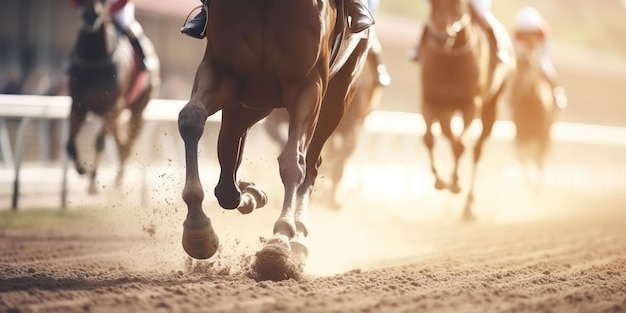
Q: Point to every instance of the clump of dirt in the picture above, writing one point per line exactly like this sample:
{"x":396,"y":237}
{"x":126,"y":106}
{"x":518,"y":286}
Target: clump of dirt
{"x":150,"y":229}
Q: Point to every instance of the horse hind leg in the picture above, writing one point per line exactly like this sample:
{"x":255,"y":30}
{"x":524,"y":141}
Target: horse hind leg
{"x":488,"y":118}
{"x":236,"y":121}
{"x":134,"y":129}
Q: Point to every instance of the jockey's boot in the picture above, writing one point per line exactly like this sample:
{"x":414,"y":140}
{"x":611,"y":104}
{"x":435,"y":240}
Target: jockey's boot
{"x":383,"y":76}
{"x":414,"y":54}
{"x":196,"y":27}
{"x":361,"y":17}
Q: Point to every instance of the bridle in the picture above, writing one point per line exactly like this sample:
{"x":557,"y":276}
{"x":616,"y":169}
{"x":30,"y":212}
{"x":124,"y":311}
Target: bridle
{"x":450,"y":35}
{"x":98,"y":9}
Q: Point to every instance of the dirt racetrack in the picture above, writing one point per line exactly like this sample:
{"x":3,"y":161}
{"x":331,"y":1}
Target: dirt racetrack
{"x":396,"y":246}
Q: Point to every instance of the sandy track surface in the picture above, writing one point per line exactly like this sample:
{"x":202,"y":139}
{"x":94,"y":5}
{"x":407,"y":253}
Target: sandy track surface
{"x":359,"y":263}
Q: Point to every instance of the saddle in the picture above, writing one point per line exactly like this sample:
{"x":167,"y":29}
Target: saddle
{"x":344,"y":40}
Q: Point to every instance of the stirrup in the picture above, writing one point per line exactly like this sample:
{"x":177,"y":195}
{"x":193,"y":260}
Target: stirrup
{"x":206,"y":22}
{"x":503,"y":56}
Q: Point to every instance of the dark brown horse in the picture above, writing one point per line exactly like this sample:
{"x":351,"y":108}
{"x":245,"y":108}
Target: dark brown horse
{"x":104,"y":80}
{"x":534,"y":107}
{"x":261,"y":55}
{"x":460,"y":74}
{"x":342,"y":143}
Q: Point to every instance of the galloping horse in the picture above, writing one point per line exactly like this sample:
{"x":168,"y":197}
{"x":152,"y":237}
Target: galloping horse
{"x":460,"y":73}
{"x":261,"y":55}
{"x":534,"y":108}
{"x":104,"y":79}
{"x":344,"y":140}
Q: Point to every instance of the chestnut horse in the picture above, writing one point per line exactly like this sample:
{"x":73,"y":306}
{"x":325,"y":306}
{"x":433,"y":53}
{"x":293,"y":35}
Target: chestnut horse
{"x":343,"y":142}
{"x":261,"y":55}
{"x":460,"y":74}
{"x":104,"y":80}
{"x":534,"y":108}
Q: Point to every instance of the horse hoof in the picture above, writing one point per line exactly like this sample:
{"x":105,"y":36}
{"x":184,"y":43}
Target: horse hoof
{"x":299,"y":252}
{"x":439,"y":184}
{"x":228,"y":200}
{"x":257,"y":194}
{"x":455,"y":189}
{"x":274,"y":262}
{"x":468,"y":217}
{"x":201,"y":242}
{"x":92,"y":190}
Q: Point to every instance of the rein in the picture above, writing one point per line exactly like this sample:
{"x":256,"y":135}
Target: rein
{"x":450,"y":36}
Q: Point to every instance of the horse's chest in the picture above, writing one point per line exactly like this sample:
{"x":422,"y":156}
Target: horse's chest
{"x":97,"y":88}
{"x":456,"y":78}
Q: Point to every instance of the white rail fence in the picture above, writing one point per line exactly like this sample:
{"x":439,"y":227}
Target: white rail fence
{"x":28,"y":108}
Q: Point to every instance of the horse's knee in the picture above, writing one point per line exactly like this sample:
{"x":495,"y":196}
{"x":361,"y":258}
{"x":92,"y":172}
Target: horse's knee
{"x":70,"y":148}
{"x":100,"y":142}
{"x":292,"y":168}
{"x":191,"y":121}
{"x":458,"y":148}
{"x":429,"y":140}
{"x":478,"y":150}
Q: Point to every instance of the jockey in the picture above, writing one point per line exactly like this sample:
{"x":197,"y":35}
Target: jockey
{"x":361,"y":19}
{"x":480,"y":11}
{"x":531,"y":32}
{"x":123,"y":12}
{"x":376,"y":50}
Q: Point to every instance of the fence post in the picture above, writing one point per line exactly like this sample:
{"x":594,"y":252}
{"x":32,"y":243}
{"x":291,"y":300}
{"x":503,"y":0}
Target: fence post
{"x":19,"y":152}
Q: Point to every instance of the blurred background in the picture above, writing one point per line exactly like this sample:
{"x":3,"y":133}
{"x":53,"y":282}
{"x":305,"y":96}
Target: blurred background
{"x":587,"y":39}
{"x":36,"y":37}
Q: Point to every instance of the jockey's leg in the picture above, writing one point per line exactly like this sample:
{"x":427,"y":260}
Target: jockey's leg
{"x":376,"y":50}
{"x":196,"y":27}
{"x":549,"y":73}
{"x":485,"y":21}
{"x":361,"y":16}
{"x":125,"y":21}
{"x":414,"y":54}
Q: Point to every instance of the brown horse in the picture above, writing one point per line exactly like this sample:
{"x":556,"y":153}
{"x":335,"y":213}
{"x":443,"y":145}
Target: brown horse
{"x":534,"y":108}
{"x":104,"y":80}
{"x":261,"y":55}
{"x":460,"y":73}
{"x":344,"y":140}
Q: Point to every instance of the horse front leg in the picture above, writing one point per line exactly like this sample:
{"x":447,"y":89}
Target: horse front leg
{"x":99,"y":147}
{"x":135,"y":125}
{"x":77,"y":118}
{"x":429,"y":142}
{"x":199,"y":239}
{"x":275,"y":260}
{"x":458,"y":147}
{"x":236,"y":120}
